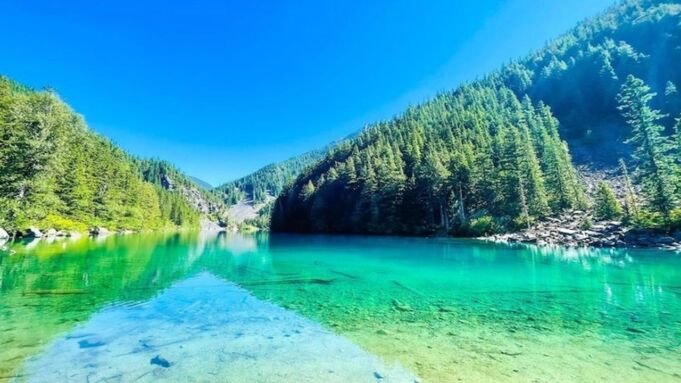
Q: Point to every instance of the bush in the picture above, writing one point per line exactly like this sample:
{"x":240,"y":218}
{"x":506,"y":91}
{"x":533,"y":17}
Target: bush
{"x":53,"y":221}
{"x":648,"y":220}
{"x":676,"y":219}
{"x":481,"y":226}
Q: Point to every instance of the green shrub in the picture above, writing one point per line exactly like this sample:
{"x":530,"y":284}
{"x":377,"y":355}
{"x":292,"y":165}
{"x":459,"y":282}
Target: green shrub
{"x":481,"y":226}
{"x":53,"y":221}
{"x":675,"y":218}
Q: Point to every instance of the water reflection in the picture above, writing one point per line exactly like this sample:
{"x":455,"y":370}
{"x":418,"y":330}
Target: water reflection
{"x":207,"y":330}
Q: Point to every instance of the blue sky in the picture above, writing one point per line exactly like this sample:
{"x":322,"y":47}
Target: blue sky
{"x":222,"y":88}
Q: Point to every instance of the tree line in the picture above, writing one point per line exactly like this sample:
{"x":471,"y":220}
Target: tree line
{"x":486,"y":158}
{"x":472,"y":161}
{"x":56,"y":173}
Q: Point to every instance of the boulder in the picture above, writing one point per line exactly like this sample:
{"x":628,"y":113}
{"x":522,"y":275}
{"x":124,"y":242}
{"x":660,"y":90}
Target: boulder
{"x":73,"y":234}
{"x":51,"y":233}
{"x":3,"y":234}
{"x":566,"y":231}
{"x":33,"y":232}
{"x":99,"y":231}
{"x":665,"y":240}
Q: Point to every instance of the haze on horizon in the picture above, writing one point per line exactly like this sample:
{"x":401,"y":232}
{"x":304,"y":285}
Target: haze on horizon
{"x":222,"y":89}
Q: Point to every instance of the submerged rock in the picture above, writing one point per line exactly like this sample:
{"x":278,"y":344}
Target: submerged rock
{"x":158,"y":361}
{"x":86,"y":343}
{"x":399,"y":306}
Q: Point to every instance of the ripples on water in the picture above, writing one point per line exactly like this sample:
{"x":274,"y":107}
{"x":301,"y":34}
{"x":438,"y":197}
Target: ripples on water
{"x":368,"y":309}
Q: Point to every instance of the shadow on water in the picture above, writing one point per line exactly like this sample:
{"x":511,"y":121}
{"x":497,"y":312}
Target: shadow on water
{"x":447,"y":309}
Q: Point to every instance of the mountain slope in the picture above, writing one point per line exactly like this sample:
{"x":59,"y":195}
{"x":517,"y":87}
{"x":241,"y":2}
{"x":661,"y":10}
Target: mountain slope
{"x":268,"y":181}
{"x":473,"y":161}
{"x":165,"y":175}
{"x":56,"y":173}
{"x":201,"y":183}
{"x":462,"y":161}
{"x":580,"y":73}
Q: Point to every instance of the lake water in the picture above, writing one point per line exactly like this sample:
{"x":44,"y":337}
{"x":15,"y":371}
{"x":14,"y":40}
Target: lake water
{"x":229,"y":308}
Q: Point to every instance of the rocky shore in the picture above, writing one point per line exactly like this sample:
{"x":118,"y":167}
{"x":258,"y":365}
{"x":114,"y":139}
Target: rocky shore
{"x":34,"y":232}
{"x":575,"y":230}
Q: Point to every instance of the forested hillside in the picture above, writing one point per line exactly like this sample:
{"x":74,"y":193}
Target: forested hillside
{"x":268,"y":181}
{"x":56,"y":173}
{"x":465,"y":161}
{"x":478,"y":160}
{"x":182,"y":188}
{"x":579,"y":74}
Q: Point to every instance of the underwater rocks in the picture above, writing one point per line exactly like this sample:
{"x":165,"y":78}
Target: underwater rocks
{"x":399,"y":306}
{"x":158,"y":361}
{"x":87,"y":343}
{"x":574,"y":230}
{"x":205,"y":329}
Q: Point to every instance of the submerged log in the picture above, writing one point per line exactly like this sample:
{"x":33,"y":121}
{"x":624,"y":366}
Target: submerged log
{"x":344,"y":274}
{"x":411,"y":290}
{"x":54,"y":292}
{"x":290,"y":281}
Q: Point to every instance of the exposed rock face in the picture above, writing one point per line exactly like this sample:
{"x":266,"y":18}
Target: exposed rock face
{"x":33,"y":232}
{"x":199,"y":202}
{"x":195,"y":197}
{"x":167,"y":182}
{"x":208,"y":225}
{"x":570,"y":230}
{"x":3,"y":234}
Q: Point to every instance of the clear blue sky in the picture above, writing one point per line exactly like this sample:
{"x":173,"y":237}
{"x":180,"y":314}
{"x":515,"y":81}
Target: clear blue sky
{"x":222,"y":88}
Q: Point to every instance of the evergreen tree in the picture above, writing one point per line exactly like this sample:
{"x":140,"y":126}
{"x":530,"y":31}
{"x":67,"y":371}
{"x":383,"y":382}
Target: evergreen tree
{"x":442,"y":165}
{"x":650,"y":145}
{"x":55,"y":173}
{"x":606,"y":205}
{"x":630,"y":201}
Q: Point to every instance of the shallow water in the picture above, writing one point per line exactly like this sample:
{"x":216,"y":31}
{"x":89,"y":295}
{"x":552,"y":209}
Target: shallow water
{"x":276,"y":308}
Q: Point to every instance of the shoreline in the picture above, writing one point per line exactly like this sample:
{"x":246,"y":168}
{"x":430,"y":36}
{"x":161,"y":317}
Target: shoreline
{"x":569,"y":231}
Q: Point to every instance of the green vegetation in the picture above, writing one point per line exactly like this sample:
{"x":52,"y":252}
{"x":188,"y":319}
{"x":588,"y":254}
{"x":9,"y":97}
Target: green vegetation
{"x":185,"y":197}
{"x":653,"y":154}
{"x":580,"y":74}
{"x":472,"y":153}
{"x":268,"y":181}
{"x":55,"y":173}
{"x":486,"y":157}
{"x":606,"y":205}
{"x":478,"y":160}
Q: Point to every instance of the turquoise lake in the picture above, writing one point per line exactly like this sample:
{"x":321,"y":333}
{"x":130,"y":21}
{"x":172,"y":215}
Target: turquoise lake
{"x":194,"y":307}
